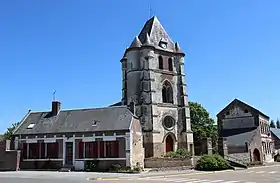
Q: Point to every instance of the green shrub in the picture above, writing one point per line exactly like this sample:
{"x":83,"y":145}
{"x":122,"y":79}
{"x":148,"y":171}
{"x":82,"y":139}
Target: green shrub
{"x":91,"y":165}
{"x":180,"y":153}
{"x":278,"y":158}
{"x":119,"y":169}
{"x":212,"y":163}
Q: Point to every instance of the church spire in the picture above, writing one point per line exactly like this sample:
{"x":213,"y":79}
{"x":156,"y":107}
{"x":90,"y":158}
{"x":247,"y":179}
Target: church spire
{"x":157,"y":35}
{"x":147,"y":41}
{"x":136,"y":43}
{"x":177,"y":47}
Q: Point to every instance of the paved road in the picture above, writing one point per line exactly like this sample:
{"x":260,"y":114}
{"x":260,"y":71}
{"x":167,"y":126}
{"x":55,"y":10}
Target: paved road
{"x":254,"y":175}
{"x":45,"y":177}
{"x":268,"y":174}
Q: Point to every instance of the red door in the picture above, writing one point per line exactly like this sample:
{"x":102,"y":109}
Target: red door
{"x":168,"y":144}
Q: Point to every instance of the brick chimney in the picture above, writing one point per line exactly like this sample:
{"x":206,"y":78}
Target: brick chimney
{"x":55,"y":107}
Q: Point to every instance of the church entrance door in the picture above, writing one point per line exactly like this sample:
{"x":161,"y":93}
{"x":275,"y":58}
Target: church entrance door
{"x":256,"y":155}
{"x":169,"y":144}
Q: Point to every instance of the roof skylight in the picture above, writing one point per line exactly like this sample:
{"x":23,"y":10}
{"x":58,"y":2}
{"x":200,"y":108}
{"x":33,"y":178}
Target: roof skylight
{"x":30,"y":126}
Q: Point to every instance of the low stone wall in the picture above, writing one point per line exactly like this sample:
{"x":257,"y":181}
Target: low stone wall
{"x":167,"y":162}
{"x":244,"y":157}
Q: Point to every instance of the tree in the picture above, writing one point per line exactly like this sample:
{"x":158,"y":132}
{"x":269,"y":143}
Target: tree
{"x":278,"y":123}
{"x":202,"y":124}
{"x":8,"y":134}
{"x":272,"y":124}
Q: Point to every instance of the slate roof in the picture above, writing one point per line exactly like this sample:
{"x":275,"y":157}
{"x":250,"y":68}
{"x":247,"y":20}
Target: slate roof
{"x":276,"y":132}
{"x":79,"y":120}
{"x":116,"y":104}
{"x":240,"y":139}
{"x":155,"y":32}
{"x":239,"y":102}
{"x":136,"y":43}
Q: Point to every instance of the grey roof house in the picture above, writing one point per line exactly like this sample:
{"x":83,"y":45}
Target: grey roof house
{"x":68,"y":138}
{"x":247,"y":132}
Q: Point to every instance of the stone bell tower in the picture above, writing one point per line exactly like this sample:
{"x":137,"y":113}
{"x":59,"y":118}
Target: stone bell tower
{"x":154,"y":81}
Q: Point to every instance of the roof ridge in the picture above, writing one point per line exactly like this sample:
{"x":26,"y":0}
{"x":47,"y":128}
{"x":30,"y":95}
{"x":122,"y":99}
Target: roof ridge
{"x":80,"y":109}
{"x":97,"y":108}
{"x":153,"y":19}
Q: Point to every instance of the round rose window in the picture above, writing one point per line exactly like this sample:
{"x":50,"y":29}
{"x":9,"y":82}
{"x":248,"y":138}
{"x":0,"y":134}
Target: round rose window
{"x":168,"y":122}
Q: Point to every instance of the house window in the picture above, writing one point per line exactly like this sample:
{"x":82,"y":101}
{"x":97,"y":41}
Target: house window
{"x":91,"y":150}
{"x":160,"y":62}
{"x":112,"y":149}
{"x":246,"y":111}
{"x":34,"y":151}
{"x":170,"y":64}
{"x":52,"y":150}
{"x":167,"y":93}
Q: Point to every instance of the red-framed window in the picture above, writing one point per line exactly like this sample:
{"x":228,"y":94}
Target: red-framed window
{"x":34,"y":151}
{"x":91,"y":150}
{"x":52,"y":150}
{"x":112,"y":149}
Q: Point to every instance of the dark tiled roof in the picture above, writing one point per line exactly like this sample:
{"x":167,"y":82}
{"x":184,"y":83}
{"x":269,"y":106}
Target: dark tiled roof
{"x":156,"y":33}
{"x":79,"y":120}
{"x":116,"y":104}
{"x":276,"y":132}
{"x":136,"y":43}
{"x":240,"y":139}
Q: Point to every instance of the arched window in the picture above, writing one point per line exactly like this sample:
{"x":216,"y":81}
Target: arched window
{"x":170,"y":64}
{"x":160,"y":62}
{"x":167,"y":93}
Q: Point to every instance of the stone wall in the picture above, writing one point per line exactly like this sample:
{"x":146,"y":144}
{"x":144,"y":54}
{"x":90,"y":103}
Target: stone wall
{"x":167,"y":162}
{"x":244,"y":157}
{"x":204,"y":147}
{"x":137,"y":153}
{"x":143,"y":83}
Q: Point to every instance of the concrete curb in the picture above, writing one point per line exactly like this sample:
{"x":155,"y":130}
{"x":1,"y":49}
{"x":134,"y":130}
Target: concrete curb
{"x":263,"y":166}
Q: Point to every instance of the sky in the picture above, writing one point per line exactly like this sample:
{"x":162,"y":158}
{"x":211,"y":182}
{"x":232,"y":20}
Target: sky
{"x":74,"y":47}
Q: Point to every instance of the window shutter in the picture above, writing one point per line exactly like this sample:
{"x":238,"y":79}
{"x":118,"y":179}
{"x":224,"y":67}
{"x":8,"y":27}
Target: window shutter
{"x":95,"y":150}
{"x":101,"y":149}
{"x":81,"y":149}
{"x":42,"y":150}
{"x":24,"y":151}
{"x":116,"y":149}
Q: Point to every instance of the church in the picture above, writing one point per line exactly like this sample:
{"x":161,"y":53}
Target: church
{"x":151,"y":119}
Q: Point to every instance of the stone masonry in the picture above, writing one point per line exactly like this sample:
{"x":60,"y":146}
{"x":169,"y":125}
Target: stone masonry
{"x":143,"y":80}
